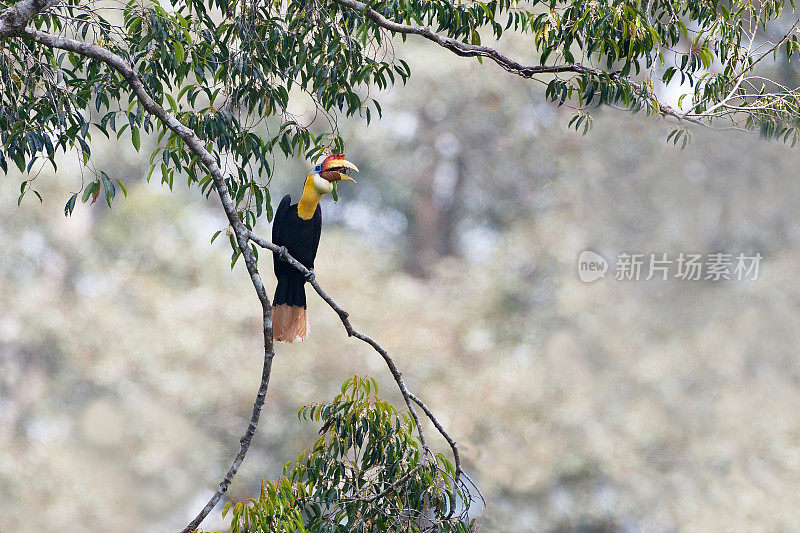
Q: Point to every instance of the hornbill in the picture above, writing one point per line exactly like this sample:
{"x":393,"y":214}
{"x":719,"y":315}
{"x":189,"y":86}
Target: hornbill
{"x":298,"y":227}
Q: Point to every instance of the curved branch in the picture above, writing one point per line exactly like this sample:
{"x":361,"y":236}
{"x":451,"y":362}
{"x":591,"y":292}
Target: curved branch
{"x":464,"y":49}
{"x":12,"y":24}
{"x":530,"y":71}
{"x":344,"y":316}
{"x":196,"y":146}
{"x":514,"y":67}
{"x":284,"y":255}
{"x":16,"y":17}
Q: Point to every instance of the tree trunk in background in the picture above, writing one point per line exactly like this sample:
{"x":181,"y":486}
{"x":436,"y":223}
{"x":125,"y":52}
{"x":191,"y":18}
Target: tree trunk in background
{"x":423,"y":228}
{"x":449,"y":211}
{"x":432,"y":230}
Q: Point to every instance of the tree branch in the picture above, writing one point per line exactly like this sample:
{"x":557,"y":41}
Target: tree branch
{"x":196,"y":146}
{"x":12,"y":24}
{"x":344,"y":316}
{"x":464,"y":49}
{"x":15,"y":18}
{"x":530,"y":71}
{"x":508,"y":64}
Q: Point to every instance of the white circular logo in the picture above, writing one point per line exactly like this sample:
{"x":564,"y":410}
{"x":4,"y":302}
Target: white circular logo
{"x":591,"y":266}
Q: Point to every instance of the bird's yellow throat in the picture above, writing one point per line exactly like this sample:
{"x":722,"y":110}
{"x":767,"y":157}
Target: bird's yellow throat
{"x":315,"y":188}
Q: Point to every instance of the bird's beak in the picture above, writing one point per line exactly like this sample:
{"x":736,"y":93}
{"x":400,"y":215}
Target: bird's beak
{"x":345,"y":177}
{"x":335,"y":168}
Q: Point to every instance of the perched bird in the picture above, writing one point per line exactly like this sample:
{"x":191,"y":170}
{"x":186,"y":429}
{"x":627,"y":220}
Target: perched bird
{"x":298,"y":227}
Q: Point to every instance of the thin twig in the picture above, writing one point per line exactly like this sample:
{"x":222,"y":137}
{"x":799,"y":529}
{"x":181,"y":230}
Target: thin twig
{"x":441,"y":430}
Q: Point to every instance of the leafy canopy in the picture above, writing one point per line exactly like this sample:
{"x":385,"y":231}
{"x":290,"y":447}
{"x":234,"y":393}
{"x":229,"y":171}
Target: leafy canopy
{"x":366,"y":473}
{"x":231,"y":70}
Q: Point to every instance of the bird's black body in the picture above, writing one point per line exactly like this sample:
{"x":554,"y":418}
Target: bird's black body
{"x":298,"y":228}
{"x":301,"y":238}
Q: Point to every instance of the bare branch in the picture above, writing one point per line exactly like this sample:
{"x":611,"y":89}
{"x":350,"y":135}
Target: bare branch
{"x":464,"y":49}
{"x":440,"y":429}
{"x":16,"y":17}
{"x":344,"y":316}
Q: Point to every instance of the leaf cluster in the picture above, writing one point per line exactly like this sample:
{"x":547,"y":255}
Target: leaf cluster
{"x":366,"y":472}
{"x":232,"y":71}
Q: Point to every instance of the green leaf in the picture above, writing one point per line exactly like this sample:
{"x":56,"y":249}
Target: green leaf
{"x":173,"y":106}
{"x":70,"y":206}
{"x":89,"y":191}
{"x":135,"y":139}
{"x":22,"y":187}
{"x":180,"y":53}
{"x":108,"y":187}
{"x":122,"y":186}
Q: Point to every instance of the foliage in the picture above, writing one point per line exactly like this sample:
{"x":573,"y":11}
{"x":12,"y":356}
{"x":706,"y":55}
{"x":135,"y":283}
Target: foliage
{"x":366,"y":472}
{"x":230,"y":69}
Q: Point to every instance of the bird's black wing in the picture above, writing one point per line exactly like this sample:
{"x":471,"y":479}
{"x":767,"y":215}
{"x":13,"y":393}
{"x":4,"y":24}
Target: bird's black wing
{"x":277,"y":227}
{"x":316,"y":231}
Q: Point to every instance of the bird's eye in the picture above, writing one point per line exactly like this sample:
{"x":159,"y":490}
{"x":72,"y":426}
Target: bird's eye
{"x":317,"y":168}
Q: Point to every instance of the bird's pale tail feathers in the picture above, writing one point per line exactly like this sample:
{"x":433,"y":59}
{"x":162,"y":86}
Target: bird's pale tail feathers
{"x":289,"y":323}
